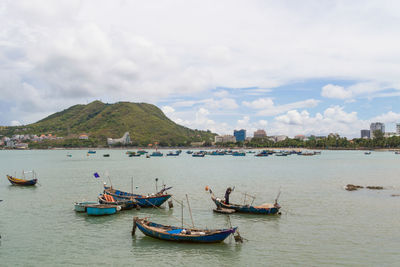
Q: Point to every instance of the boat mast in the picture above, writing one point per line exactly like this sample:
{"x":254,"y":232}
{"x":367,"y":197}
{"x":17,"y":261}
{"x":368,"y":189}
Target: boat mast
{"x":190,"y":210}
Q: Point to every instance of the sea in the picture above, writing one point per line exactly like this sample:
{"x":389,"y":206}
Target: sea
{"x":321,"y":223}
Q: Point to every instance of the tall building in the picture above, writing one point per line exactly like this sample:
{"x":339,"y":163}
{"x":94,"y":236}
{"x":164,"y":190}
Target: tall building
{"x":365,"y":134}
{"x":377,"y":126}
{"x":398,"y":128}
{"x":260,"y":133}
{"x":225,"y":139}
{"x":240,"y":135}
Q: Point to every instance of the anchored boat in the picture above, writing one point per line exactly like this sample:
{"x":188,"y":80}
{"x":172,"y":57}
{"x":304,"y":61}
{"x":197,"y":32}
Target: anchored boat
{"x":24,"y":181}
{"x":180,"y":234}
{"x":102,"y":209}
{"x":81,"y":206}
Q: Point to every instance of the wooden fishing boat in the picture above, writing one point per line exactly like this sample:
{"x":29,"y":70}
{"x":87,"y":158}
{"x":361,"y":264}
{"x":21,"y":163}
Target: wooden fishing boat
{"x":238,"y":154}
{"x":106,"y":155}
{"x":153,"y":200}
{"x":198,"y":155}
{"x":177,"y":153}
{"x":102,"y":209}
{"x":81,"y":206}
{"x":126,"y":204}
{"x":156,"y":154}
{"x":367,"y":153}
{"x":26,"y":182}
{"x":91,"y":152}
{"x":180,"y":234}
{"x":267,"y":209}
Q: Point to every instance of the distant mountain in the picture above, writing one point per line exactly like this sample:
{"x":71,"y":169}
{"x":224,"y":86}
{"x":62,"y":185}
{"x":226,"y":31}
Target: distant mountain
{"x":146,"y":124}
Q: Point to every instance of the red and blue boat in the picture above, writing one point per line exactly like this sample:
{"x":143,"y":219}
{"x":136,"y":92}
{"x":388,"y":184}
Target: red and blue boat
{"x":266,"y":209}
{"x":180,"y":234}
{"x":152,"y":200}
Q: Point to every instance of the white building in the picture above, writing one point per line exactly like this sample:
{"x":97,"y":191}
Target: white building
{"x":124,"y":140}
{"x":398,"y":128}
{"x":225,"y":139}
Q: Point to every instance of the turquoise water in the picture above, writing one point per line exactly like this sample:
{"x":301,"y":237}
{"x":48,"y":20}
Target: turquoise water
{"x":321,"y":223}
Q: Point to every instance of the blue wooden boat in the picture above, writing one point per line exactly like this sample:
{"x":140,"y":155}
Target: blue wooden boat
{"x":81,"y":206}
{"x":156,"y":154}
{"x":126,"y":204}
{"x":180,"y":234}
{"x":266,"y":209}
{"x":177,"y":153}
{"x":102,"y":209}
{"x":189,"y":152}
{"x":91,"y":152}
{"x":198,"y":155}
{"x":238,"y":154}
{"x":23,"y":182}
{"x":153,"y":200}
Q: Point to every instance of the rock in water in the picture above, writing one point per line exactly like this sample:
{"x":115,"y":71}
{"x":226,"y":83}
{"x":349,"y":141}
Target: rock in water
{"x":352,"y":187}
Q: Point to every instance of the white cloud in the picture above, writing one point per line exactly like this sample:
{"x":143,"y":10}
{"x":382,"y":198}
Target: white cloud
{"x":15,"y":123}
{"x":333,"y":120}
{"x":335,"y":91}
{"x":260,"y":103}
{"x":390,"y":117}
{"x":278,"y":109}
{"x":168,"y":110}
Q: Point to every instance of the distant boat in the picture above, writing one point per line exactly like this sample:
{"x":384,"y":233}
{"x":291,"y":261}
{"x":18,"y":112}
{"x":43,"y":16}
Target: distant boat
{"x":81,"y":206}
{"x":134,"y":155}
{"x":397,"y":152}
{"x":149,"y":201}
{"x":102,"y":209}
{"x":106,"y":155}
{"x":238,"y":154}
{"x":141,"y":152}
{"x":156,"y":154}
{"x":26,"y":182}
{"x":177,"y":153}
{"x":261,"y":154}
{"x":180,"y":234}
{"x":69,"y":155}
{"x":305,"y":153}
{"x":189,"y":152}
{"x":281,"y":154}
{"x":367,"y":153}
{"x":198,"y":155}
{"x":91,"y":152}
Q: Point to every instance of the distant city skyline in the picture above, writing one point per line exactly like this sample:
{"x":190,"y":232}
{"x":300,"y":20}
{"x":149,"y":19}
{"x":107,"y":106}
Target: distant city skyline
{"x":293,"y":68}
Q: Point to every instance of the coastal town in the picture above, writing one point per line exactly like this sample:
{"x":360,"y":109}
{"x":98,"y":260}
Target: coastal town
{"x":238,"y":138}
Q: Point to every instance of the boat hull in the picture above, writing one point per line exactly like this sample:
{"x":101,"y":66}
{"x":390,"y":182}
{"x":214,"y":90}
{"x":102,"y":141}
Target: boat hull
{"x":23,"y":182}
{"x":151,"y":230}
{"x":81,"y":206}
{"x":126,"y":204}
{"x":101,"y":209}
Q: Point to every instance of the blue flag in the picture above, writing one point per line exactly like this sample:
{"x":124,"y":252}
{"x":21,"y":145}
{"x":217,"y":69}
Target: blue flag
{"x":96,"y":175}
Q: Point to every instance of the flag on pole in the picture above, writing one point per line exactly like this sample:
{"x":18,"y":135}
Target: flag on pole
{"x":96,"y":175}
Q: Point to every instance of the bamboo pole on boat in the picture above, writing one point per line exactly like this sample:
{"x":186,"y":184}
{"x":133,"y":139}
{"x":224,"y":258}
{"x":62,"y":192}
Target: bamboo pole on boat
{"x":190,"y":210}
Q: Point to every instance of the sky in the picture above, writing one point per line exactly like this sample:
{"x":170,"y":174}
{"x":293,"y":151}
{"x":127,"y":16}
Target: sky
{"x":288,"y":67}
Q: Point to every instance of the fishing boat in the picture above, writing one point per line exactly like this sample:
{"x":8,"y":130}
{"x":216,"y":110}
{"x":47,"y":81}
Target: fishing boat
{"x":102,"y":209}
{"x":23,"y":181}
{"x":152,"y":200}
{"x":81,"y":206}
{"x":106,"y":155}
{"x":198,"y":155}
{"x":367,"y":153}
{"x":189,"y":152}
{"x":69,"y":155}
{"x":180,"y":234}
{"x":134,"y":154}
{"x":238,"y":154}
{"x":306,"y":153}
{"x":261,"y":154}
{"x":141,"y":152}
{"x":281,"y":154}
{"x":266,"y":209}
{"x":397,"y":152}
{"x":176,"y":153}
{"x":91,"y":152}
{"x":126,"y":204}
{"x":156,"y":154}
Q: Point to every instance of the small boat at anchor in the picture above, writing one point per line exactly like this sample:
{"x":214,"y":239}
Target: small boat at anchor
{"x":102,"y":209}
{"x":180,"y":234}
{"x":91,"y":152}
{"x":23,"y":181}
{"x":265,"y":209}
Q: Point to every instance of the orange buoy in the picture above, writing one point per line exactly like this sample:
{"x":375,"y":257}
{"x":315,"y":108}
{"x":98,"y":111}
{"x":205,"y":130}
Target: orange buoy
{"x":207,"y":188}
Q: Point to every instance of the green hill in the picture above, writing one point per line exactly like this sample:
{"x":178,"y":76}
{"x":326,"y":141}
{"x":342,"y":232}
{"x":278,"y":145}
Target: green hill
{"x":146,"y":124}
